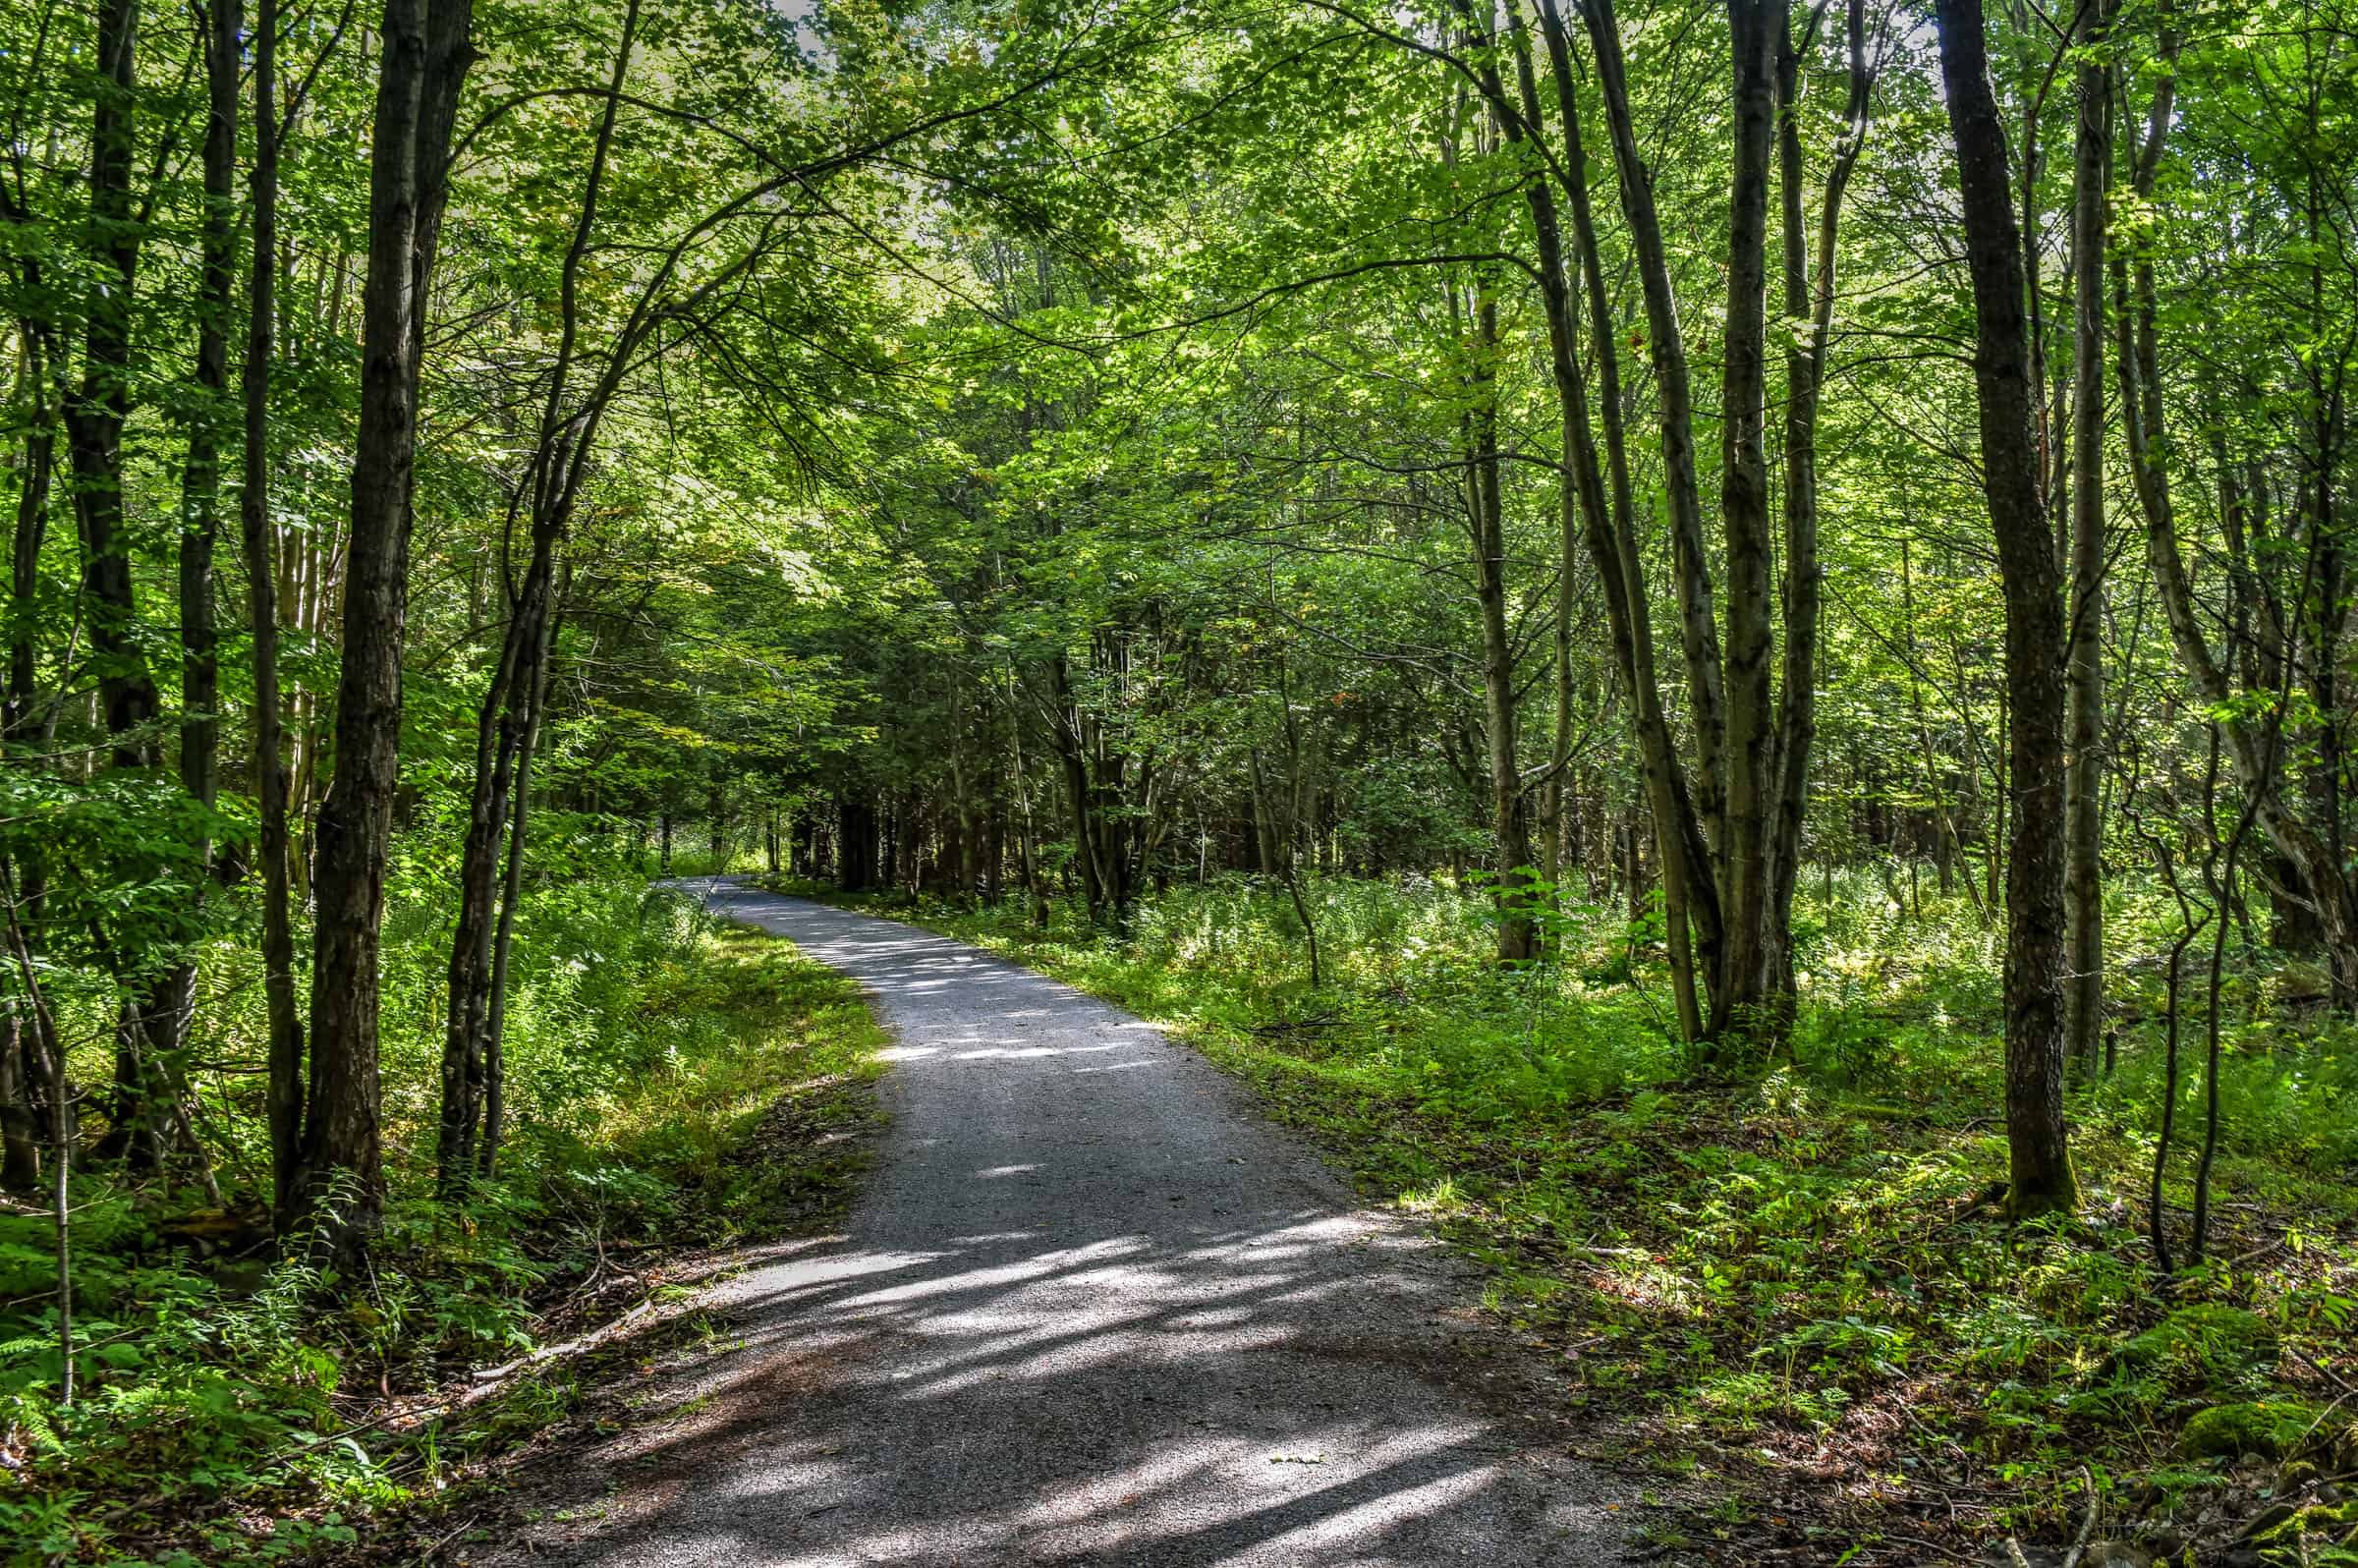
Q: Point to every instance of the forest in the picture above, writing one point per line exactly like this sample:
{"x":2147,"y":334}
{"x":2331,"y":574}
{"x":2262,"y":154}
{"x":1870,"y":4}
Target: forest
{"x":1703,"y":639}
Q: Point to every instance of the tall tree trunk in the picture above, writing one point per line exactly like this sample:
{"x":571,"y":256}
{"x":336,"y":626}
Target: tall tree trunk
{"x":140,"y":1109}
{"x":1582,"y":517}
{"x":273,"y":844}
{"x":20,"y":1120}
{"x":2084,"y":996}
{"x":201,"y":486}
{"x":1069,"y":751}
{"x":172,"y":1005}
{"x":424,"y":56}
{"x":511,"y":705}
{"x":1689,"y":895}
{"x":1036,"y":881}
{"x":2037,"y":1140}
{"x":469,"y":982}
{"x":1757,"y":28}
{"x":154,"y":1089}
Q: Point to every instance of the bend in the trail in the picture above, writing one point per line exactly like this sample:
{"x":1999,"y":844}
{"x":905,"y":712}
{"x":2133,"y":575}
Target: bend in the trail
{"x":1092,"y":1307}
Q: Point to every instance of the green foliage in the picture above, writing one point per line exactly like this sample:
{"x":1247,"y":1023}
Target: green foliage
{"x":681,"y":1083}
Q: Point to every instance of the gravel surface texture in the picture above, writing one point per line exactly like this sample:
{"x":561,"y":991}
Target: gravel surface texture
{"x":1089,"y":1307}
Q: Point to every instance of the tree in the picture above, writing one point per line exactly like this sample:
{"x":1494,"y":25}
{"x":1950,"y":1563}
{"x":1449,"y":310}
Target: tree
{"x":2038,"y":1144}
{"x":427,"y":52}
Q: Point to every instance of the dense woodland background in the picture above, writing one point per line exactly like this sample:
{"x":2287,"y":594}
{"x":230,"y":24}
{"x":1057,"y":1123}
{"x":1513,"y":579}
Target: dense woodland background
{"x":1712,"y":638}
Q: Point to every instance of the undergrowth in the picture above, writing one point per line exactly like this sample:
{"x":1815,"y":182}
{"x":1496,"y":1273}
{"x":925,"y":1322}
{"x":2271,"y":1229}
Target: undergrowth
{"x":677,"y":1083}
{"x":1781,"y":1275}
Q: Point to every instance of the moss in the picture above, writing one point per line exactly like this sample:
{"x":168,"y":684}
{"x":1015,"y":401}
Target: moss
{"x":2302,"y":1528}
{"x":2269,"y":1426}
{"x":2318,"y":1519}
{"x":2218,"y":1344}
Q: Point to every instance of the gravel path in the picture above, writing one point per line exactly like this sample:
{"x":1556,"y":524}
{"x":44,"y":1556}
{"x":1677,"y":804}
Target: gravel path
{"x":1089,"y":1307}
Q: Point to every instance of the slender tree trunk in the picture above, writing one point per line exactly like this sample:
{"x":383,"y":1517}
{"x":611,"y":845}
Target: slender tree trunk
{"x":1486,"y":521}
{"x":2084,"y":996}
{"x":2037,"y":1140}
{"x":509,"y":708}
{"x":156,"y":1091}
{"x":469,"y":982}
{"x":200,"y":488}
{"x":32,"y":529}
{"x":96,"y":414}
{"x":1582,"y":515}
{"x":1076,"y":781}
{"x":273,"y":844}
{"x":21,"y":1126}
{"x":1666,"y":342}
{"x":511,"y":898}
{"x":96,"y":411}
{"x":199,"y":730}
{"x":1036,"y":883}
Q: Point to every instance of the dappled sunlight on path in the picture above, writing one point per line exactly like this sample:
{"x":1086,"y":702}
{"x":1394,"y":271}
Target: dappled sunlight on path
{"x":1089,"y":1307}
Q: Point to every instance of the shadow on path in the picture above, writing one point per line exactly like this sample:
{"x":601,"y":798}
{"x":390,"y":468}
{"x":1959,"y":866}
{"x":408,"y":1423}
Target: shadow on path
{"x":1089,"y":1309}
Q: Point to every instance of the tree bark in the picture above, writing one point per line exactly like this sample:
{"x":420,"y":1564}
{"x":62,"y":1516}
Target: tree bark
{"x":511,"y":898}
{"x":35,"y":482}
{"x":1666,"y":342}
{"x":424,"y":57}
{"x":510,"y":711}
{"x":272,"y":843}
{"x":201,"y":486}
{"x":23,"y":1081}
{"x":1070,"y":752}
{"x":2037,"y":1140}
{"x":1756,"y":28}
{"x":2084,"y":996}
{"x":1509,"y":821}
{"x":97,"y":410}
{"x":140,"y":1101}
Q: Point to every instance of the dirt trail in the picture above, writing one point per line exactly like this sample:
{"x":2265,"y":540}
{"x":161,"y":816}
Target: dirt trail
{"x":1090,"y":1308}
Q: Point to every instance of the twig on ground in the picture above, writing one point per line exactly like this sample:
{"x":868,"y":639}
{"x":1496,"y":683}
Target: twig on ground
{"x":2327,"y":1373}
{"x":596,"y":1337}
{"x":2079,"y":1543}
{"x":2322,"y":1417}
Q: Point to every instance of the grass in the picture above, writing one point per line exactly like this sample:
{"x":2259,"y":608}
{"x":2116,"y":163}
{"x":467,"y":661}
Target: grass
{"x":1779,"y":1278}
{"x":694,"y":1085}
